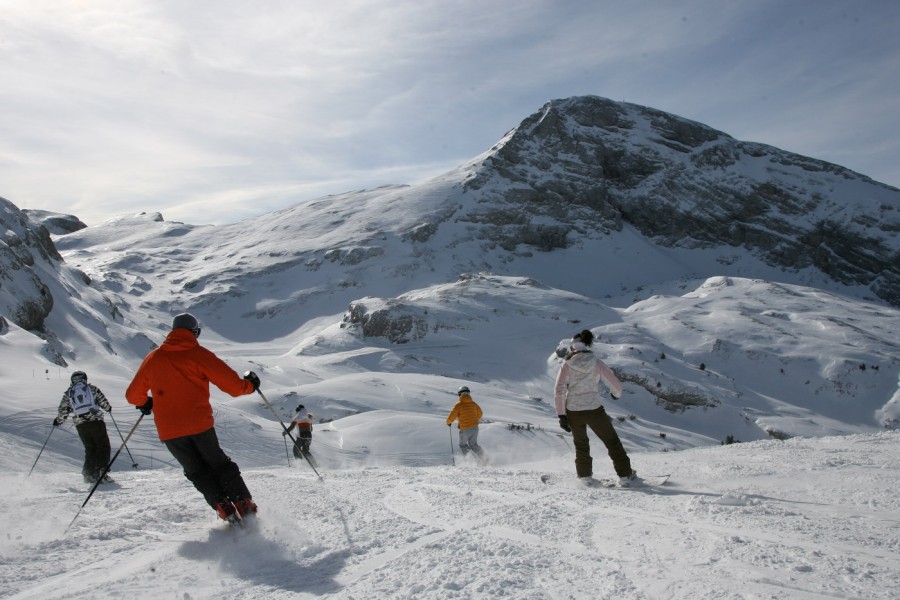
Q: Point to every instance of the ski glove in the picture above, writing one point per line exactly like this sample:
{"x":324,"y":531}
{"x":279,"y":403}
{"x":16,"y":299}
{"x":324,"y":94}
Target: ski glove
{"x":564,"y":423}
{"x":252,"y":378}
{"x":147,"y":407}
{"x":57,"y":422}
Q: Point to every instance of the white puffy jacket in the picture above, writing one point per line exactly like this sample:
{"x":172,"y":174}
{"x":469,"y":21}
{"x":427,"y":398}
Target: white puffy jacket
{"x":577,"y":384}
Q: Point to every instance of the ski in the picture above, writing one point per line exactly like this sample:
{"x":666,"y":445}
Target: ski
{"x":640,"y":482}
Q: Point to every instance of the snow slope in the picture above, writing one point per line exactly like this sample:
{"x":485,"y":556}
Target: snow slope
{"x":803,"y":518}
{"x":401,"y":515}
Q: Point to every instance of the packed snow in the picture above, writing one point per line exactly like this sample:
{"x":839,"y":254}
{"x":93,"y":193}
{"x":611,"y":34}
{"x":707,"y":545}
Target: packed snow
{"x":802,"y":518}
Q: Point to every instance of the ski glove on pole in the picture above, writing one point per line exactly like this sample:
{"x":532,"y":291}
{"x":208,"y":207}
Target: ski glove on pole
{"x":147,"y":407}
{"x":252,"y":378}
{"x":564,"y":423}
{"x":57,"y":422}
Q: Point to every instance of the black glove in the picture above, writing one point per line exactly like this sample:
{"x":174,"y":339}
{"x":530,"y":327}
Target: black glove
{"x":147,"y":407}
{"x":564,"y":423}
{"x":252,"y":378}
{"x":57,"y":422}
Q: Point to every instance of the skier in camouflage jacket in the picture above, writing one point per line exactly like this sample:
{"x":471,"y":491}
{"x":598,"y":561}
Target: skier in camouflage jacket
{"x":84,"y":401}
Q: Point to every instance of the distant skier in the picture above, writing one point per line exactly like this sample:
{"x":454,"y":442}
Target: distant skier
{"x":304,"y":424}
{"x":85,"y":400}
{"x":579,"y":405}
{"x":178,"y":374}
{"x":469,"y":414}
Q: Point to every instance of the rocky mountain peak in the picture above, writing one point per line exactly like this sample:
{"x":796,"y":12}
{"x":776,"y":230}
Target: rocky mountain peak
{"x":589,"y":165}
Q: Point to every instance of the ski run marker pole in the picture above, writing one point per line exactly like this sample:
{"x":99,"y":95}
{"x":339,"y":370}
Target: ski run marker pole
{"x":105,"y":471}
{"x":286,"y":432}
{"x":52,"y":427}
{"x":134,"y":465}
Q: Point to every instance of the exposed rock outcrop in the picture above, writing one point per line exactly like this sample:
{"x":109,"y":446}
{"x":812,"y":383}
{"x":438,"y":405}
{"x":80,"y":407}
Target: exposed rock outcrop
{"x":24,"y":298}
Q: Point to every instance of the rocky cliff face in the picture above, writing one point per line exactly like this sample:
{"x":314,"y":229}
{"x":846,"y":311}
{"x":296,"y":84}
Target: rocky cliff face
{"x":586,"y":165}
{"x":56,"y":223}
{"x":24,"y":298}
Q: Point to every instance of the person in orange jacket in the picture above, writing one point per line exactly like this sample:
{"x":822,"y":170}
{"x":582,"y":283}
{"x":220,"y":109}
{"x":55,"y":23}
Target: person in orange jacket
{"x":469,"y":414}
{"x":177,"y":374}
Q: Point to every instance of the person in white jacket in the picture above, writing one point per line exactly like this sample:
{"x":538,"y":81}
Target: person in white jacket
{"x":579,"y":405}
{"x":303,"y":421}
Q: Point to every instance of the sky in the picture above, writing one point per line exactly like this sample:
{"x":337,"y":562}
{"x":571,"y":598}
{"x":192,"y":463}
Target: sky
{"x":214,"y":112}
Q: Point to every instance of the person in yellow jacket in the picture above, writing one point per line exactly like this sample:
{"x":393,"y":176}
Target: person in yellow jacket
{"x":469,"y":414}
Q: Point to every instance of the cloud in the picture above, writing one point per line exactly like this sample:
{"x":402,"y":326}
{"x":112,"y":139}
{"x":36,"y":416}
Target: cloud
{"x":112,"y":106}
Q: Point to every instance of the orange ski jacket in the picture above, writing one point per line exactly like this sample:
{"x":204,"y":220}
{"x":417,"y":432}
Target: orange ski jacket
{"x":177,"y":375}
{"x":467,"y":411}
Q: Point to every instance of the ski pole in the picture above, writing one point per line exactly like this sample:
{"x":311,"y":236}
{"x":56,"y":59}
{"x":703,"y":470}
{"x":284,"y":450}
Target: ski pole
{"x":452,"y":453}
{"x":286,"y":432}
{"x":134,"y":465}
{"x":52,"y":427}
{"x":105,"y":471}
{"x":286,"y":453}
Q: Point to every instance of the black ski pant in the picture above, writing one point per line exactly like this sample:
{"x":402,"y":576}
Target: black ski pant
{"x":304,"y":439}
{"x":207,"y":466}
{"x":96,"y":447}
{"x":601,"y":424}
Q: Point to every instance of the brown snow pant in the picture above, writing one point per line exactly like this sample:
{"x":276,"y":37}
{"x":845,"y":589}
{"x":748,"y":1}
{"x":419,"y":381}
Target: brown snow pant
{"x":601,"y":424}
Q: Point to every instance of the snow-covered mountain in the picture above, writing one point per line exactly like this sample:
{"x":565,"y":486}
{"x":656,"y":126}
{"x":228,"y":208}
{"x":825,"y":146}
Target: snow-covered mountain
{"x":591,"y":206}
{"x":591,"y":165}
{"x":739,"y":291}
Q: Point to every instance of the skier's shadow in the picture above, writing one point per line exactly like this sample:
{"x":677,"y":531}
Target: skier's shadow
{"x":727,"y":498}
{"x":248,"y":555}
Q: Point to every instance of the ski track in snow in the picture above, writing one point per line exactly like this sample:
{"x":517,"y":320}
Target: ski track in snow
{"x":805,"y":518}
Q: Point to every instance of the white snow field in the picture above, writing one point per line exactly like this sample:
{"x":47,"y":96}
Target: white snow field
{"x":804,"y":518}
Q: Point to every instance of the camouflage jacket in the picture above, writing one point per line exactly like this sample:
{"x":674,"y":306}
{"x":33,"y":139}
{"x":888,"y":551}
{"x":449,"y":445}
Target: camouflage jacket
{"x":65,"y":407}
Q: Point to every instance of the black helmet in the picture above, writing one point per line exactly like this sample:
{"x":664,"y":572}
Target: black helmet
{"x":585,"y":336}
{"x":462,"y":390}
{"x":78,"y":376}
{"x":187,"y":321}
{"x":300,"y":407}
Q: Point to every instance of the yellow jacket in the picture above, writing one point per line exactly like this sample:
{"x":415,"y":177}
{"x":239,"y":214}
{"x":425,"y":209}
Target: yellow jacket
{"x":467,"y":411}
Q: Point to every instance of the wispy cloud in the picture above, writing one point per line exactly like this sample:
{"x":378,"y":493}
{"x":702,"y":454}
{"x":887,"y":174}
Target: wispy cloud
{"x":116,"y":106}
